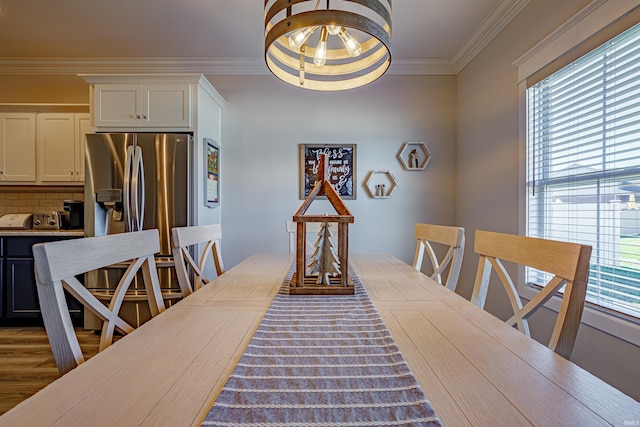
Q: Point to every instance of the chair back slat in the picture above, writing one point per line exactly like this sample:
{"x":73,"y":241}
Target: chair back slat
{"x":553,"y":256}
{"x":453,"y":238}
{"x":65,"y":259}
{"x":568,"y":263}
{"x":443,"y":234}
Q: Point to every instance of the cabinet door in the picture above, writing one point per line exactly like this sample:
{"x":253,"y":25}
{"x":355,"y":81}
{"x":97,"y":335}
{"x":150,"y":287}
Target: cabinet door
{"x":117,"y":105}
{"x":17,"y":147}
{"x":22,"y":296}
{"x":83,"y":127}
{"x":22,"y":293}
{"x":56,"y":147}
{"x":166,"y":105}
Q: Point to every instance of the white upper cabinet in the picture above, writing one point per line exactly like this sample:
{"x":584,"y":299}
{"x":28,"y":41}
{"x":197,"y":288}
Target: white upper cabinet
{"x":166,"y":105}
{"x":18,"y":147}
{"x":61,"y":139}
{"x":148,"y":105}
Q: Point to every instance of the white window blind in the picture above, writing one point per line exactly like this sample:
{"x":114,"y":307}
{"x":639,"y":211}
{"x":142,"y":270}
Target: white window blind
{"x":583,"y":167}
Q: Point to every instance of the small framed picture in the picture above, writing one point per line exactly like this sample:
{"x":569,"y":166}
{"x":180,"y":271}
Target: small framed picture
{"x":212,"y":173}
{"x":341,"y":168}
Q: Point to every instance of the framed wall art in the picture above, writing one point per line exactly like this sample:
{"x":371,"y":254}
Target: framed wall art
{"x":341,"y":168}
{"x":212,"y":173}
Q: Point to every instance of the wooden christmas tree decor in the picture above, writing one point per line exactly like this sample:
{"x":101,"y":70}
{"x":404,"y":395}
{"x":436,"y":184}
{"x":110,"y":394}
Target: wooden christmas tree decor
{"x":328,"y":272}
{"x":324,"y":260}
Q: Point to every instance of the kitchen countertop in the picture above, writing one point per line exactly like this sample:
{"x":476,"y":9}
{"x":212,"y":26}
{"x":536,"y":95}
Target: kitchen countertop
{"x":40,"y":232}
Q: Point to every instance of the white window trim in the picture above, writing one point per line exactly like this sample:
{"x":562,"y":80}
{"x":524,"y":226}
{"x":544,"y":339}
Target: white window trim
{"x":591,"y":19}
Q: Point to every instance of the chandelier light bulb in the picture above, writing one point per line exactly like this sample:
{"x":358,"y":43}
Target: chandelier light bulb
{"x":334,"y":29}
{"x":350,"y":43}
{"x":298,"y":38}
{"x":320,"y":57}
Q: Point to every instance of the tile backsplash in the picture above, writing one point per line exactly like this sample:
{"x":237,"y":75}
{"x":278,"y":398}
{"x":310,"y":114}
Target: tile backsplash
{"x":17,"y":199}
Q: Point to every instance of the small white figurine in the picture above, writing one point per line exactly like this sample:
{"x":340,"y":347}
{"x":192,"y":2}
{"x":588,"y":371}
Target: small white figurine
{"x":413,"y":158}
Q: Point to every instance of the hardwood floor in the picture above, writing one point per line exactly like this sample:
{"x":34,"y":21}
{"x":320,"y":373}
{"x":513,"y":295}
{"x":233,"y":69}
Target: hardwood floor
{"x":26,"y":361}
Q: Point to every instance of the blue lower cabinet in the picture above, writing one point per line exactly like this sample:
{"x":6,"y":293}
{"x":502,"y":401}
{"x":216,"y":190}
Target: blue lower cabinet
{"x":19,"y":298}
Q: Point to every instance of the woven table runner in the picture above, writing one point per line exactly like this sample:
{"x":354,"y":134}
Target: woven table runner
{"x":319,"y":360}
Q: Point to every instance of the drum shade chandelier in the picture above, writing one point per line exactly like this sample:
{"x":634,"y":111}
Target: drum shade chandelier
{"x":327,"y":45}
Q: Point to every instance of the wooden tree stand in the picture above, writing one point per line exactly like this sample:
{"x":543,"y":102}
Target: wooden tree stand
{"x":301,"y":283}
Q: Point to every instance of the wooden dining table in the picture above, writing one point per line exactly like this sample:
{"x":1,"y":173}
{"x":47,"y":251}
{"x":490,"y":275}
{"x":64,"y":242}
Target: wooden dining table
{"x":473,"y":368}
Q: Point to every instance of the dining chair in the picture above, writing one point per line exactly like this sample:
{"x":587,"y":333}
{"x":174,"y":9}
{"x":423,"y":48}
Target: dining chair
{"x":187,"y":239}
{"x":58,"y":263}
{"x":450,"y":237}
{"x":567,"y":263}
{"x":312,"y":228}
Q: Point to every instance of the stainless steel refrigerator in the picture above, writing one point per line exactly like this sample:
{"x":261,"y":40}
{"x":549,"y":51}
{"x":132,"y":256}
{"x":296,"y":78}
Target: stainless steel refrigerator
{"x":137,"y":181}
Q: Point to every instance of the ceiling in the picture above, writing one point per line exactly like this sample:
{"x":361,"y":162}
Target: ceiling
{"x":219,"y":36}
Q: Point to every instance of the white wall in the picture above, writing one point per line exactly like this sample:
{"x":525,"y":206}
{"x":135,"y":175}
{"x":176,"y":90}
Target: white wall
{"x":264,"y":120}
{"x":489,"y":176}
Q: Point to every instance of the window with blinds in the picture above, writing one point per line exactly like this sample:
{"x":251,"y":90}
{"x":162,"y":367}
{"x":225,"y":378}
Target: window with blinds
{"x":583,"y":167}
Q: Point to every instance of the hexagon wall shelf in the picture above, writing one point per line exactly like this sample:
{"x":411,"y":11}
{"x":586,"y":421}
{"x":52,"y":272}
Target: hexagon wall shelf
{"x":382,"y":178}
{"x":414,"y":156}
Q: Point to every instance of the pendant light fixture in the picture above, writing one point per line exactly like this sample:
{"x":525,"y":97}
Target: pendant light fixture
{"x":327,"y":45}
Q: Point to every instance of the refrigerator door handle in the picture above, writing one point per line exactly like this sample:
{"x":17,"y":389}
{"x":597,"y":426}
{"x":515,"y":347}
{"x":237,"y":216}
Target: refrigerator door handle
{"x":137,"y":185}
{"x":128,"y":165}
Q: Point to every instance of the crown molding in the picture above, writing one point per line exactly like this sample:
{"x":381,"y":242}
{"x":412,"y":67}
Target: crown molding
{"x":74,"y":66}
{"x":234,"y":66}
{"x":501,"y":15}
